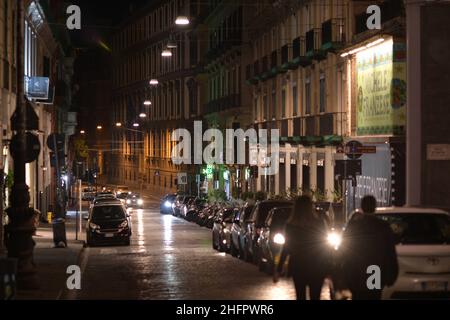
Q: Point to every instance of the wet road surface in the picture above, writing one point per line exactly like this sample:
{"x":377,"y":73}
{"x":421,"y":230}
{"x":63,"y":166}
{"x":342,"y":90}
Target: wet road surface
{"x":170,"y":258}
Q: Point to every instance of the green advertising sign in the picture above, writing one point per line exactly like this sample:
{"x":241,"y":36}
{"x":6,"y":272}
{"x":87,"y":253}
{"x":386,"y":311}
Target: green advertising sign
{"x":381,"y":95}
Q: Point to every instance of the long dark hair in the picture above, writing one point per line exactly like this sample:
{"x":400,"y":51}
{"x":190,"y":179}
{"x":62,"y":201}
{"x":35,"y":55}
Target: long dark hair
{"x":303,"y":213}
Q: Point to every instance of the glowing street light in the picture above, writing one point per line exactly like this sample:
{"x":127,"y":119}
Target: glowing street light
{"x":135,"y":124}
{"x":147,"y":103}
{"x":99,"y":127}
{"x":118,"y":124}
{"x":154,"y":82}
{"x":166,"y":53}
{"x":142,"y":115}
{"x":182,"y":20}
{"x":82,"y":132}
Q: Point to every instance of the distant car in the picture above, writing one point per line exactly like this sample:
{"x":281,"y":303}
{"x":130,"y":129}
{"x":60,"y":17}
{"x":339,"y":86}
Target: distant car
{"x":222,"y":229}
{"x":135,"y":201}
{"x":121,"y":189}
{"x":108,"y":223}
{"x":237,"y":230}
{"x":423,"y":252}
{"x":272,"y":238}
{"x":256,"y":223}
{"x":165,"y":205}
{"x":87,"y":194}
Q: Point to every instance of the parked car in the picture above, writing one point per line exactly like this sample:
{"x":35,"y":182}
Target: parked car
{"x":238,"y":229}
{"x":203,"y":215}
{"x":423,"y":251}
{"x":134,"y":201}
{"x":165,"y":205}
{"x":272,"y":238}
{"x":88,"y":194}
{"x":187,"y":201}
{"x":108,"y":223}
{"x":222,"y":228}
{"x":256,"y":223}
{"x":105,"y":200}
{"x":194,"y":209}
{"x":176,"y":206}
{"x":213,"y":213}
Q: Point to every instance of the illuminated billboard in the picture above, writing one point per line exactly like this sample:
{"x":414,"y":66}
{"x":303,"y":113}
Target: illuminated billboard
{"x":381,"y":89}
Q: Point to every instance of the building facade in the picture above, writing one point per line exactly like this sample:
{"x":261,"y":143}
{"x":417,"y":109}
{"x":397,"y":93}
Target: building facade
{"x":147,"y":113}
{"x":305,"y":75}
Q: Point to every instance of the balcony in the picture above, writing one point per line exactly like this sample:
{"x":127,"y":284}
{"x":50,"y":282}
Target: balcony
{"x":326,"y":129}
{"x":224,"y":103}
{"x":333,"y":36}
{"x":299,"y":57}
{"x":313,"y":45}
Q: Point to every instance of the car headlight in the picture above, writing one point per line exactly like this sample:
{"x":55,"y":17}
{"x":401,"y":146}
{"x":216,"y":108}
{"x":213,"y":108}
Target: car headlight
{"x":93,"y":226}
{"x":140,"y":202}
{"x":334,"y":239}
{"x":128,"y":201}
{"x":123,"y":225}
{"x":279,"y":239}
{"x":167,"y":204}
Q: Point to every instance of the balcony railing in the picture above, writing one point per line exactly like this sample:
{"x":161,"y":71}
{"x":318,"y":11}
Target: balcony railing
{"x":333,"y":36}
{"x":225,"y":103}
{"x":334,"y":123}
{"x":313,"y":44}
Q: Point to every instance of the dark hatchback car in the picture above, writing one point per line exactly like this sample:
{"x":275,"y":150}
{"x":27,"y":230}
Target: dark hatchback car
{"x":108,"y":223}
{"x":165,"y":205}
{"x":222,"y":229}
{"x":255,"y":224}
{"x":238,"y":231}
{"x":272,"y":238}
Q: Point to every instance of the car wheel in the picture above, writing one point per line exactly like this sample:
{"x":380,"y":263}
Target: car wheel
{"x":214,"y":243}
{"x":233,"y":249}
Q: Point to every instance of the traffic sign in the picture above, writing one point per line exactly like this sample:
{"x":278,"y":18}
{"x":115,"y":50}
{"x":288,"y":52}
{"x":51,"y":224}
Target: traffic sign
{"x":352,"y":149}
{"x":32,"y":147}
{"x":58,"y":138}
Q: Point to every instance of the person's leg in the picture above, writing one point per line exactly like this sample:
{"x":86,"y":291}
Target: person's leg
{"x":300,"y":287}
{"x":315,"y":288}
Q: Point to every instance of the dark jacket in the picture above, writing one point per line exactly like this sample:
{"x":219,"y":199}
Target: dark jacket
{"x":368,"y":241}
{"x":307,"y":250}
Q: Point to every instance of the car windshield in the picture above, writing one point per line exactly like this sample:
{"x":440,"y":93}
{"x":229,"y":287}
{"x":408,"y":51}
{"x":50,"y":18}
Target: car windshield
{"x":228,"y":215}
{"x":265,"y":207}
{"x":280,"y":216}
{"x":108,"y":213}
{"x":412,"y":228}
{"x":122,"y":195}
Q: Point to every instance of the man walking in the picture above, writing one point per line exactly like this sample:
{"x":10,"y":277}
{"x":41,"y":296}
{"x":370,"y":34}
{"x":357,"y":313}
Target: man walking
{"x":368,"y":244}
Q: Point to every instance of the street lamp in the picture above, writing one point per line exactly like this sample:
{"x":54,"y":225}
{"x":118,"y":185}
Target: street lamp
{"x":166,"y":53}
{"x":135,"y":124}
{"x":147,"y":103}
{"x":82,"y":132}
{"x":142,"y":115}
{"x":118,"y":124}
{"x":154,"y":82}
{"x":99,"y":127}
{"x":182,"y":20}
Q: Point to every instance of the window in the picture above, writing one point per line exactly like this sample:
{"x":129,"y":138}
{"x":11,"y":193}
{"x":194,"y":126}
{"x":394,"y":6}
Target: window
{"x":294,"y":100}
{"x":322,"y":94}
{"x":266,"y":108}
{"x":274,"y":102}
{"x":308,"y":97}
{"x":283,"y":103}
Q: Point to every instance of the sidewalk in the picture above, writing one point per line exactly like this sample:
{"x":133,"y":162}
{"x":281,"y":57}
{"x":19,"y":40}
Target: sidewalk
{"x":52,"y":262}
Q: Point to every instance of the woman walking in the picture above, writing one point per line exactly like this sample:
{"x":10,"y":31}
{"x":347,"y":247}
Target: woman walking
{"x":305,"y":236}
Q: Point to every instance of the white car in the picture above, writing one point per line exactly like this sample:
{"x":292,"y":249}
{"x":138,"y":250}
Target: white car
{"x":423,"y":252}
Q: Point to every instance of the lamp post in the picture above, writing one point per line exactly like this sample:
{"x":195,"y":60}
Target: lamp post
{"x":21,"y":226}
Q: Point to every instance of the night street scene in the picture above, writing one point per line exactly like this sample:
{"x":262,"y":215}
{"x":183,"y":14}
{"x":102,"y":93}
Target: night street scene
{"x":222,"y":150}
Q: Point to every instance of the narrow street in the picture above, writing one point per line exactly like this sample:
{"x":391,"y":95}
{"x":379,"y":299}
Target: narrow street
{"x":170,"y":258}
